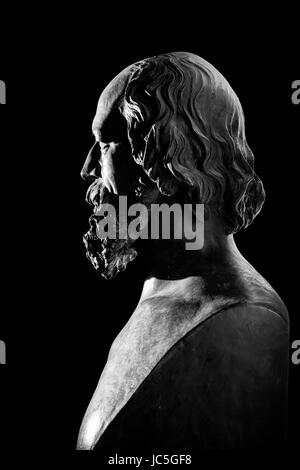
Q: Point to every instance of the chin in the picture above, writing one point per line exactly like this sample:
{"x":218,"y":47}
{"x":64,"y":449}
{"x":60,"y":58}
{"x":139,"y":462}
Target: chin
{"x":109,"y":257}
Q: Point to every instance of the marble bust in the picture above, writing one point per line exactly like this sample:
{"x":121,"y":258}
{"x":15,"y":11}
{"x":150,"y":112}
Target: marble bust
{"x":202,"y":363}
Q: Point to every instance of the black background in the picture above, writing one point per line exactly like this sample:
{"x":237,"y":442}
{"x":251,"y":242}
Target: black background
{"x":59,"y":318}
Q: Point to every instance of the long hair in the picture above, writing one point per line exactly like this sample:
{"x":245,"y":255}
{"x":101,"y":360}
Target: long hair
{"x":186,"y":128}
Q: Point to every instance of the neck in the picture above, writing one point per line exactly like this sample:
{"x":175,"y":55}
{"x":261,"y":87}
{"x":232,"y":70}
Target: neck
{"x":177,"y":272}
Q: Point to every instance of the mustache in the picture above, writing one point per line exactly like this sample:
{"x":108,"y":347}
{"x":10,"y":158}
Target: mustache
{"x":97,"y":194}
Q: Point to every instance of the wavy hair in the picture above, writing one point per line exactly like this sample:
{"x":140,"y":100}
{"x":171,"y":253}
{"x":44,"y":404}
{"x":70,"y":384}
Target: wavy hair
{"x":186,"y":128}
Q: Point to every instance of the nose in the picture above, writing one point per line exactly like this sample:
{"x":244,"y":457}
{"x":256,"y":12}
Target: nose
{"x":91,"y":167}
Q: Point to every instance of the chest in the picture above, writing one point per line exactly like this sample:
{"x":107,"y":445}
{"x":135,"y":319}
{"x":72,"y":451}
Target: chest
{"x":150,"y":333}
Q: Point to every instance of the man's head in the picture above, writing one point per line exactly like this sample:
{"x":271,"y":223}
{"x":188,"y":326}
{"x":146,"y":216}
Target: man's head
{"x":172,"y":126}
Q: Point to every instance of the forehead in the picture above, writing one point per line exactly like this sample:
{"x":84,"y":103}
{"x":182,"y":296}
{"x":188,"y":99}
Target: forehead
{"x":110,"y":98}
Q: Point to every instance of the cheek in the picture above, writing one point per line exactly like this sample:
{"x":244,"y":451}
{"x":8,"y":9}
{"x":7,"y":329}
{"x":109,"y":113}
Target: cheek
{"x":108,"y":173}
{"x":119,"y":171}
{"x":123,"y":166}
{"x":107,"y":166}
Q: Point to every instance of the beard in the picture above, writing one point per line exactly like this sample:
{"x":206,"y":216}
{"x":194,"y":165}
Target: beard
{"x":109,"y":256}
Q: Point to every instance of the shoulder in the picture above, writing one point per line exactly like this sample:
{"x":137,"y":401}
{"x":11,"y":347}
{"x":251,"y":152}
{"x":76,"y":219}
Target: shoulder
{"x":246,"y":338}
{"x":247,"y":320}
{"x":260,"y":296}
{"x":253,"y":316}
{"x":236,"y":370}
{"x":243,"y":353}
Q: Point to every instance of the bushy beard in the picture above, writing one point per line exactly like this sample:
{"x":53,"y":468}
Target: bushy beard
{"x":108,"y":256}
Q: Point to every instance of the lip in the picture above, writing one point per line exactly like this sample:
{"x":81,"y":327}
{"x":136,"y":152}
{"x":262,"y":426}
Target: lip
{"x":93,"y":220}
{"x":91,"y":241}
